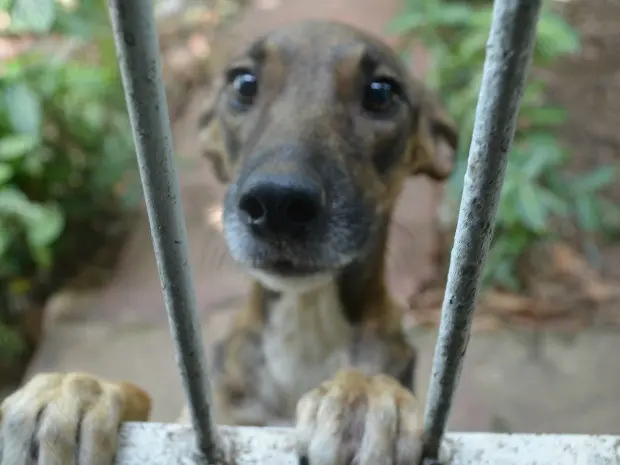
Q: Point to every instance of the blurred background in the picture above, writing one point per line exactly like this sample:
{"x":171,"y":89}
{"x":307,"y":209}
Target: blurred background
{"x":79,"y":289}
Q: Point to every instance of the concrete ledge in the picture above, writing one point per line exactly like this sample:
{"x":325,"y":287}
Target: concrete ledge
{"x":163,"y":444}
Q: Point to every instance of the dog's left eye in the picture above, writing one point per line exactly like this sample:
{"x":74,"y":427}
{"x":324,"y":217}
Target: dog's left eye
{"x":379,"y":96}
{"x":245,"y":85}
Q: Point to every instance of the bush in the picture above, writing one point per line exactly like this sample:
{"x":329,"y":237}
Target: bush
{"x":538,"y":193}
{"x":66,"y":153}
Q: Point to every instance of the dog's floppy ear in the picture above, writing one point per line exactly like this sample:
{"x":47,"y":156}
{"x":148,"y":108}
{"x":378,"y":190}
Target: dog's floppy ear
{"x":436,"y":139}
{"x":211,"y":135}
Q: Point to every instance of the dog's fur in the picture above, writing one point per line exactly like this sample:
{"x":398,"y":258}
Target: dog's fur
{"x":319,"y":337}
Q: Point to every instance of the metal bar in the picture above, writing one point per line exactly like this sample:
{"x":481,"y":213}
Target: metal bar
{"x":509,"y":52}
{"x":137,"y":48}
{"x":165,"y":444}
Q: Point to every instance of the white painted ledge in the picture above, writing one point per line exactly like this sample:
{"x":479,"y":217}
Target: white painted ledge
{"x":166,"y":444}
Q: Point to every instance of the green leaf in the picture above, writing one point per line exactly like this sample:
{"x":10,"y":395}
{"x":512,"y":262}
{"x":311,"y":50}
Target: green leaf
{"x":42,"y":255}
{"x":6,"y":173}
{"x":505,"y":274}
{"x":34,"y":165}
{"x":610,"y":214}
{"x":12,"y":344}
{"x":87,"y":80}
{"x":553,"y":202}
{"x":597,"y":179}
{"x":33,"y":15}
{"x":5,"y":241}
{"x":543,"y":116}
{"x":531,"y":209}
{"x":17,"y":146}
{"x":13,"y":201}
{"x":534,"y":94}
{"x":500,"y":265}
{"x":481,"y":19}
{"x":555,"y":37}
{"x":406,"y":22}
{"x":541,"y":152}
{"x":509,"y":214}
{"x":586,"y":212}
{"x":472,"y":47}
{"x":43,"y":223}
{"x":46,"y":227}
{"x":24,"y":108}
{"x":73,"y":24}
{"x":453,"y":14}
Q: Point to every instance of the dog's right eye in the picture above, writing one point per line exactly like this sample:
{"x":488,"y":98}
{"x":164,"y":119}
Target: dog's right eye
{"x":380,"y":96}
{"x":245,"y":86}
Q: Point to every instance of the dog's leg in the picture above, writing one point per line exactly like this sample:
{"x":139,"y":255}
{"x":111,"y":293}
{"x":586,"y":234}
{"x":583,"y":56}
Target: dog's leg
{"x":67,"y":418}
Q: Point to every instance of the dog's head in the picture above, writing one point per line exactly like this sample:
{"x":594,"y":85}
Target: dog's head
{"x":315,"y":128}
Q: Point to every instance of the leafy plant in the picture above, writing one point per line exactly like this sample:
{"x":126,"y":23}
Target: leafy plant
{"x":66,"y":160}
{"x":537,"y":192}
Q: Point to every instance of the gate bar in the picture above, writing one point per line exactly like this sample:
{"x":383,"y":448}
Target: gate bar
{"x":137,"y":48}
{"x":509,"y":52}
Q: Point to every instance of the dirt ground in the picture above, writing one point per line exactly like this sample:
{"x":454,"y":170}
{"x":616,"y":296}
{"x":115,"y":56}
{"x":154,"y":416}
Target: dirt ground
{"x":512,"y":381}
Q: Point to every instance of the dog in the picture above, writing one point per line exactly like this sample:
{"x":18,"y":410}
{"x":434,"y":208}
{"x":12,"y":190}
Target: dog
{"x":315,"y":128}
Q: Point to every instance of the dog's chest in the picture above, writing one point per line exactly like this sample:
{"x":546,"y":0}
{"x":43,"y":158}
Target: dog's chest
{"x":306,"y":342}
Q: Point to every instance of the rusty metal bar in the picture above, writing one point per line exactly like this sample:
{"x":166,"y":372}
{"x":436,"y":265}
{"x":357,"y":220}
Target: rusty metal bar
{"x":137,"y":48}
{"x":509,"y":52}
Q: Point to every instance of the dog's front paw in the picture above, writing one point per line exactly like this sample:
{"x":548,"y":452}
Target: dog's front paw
{"x":67,"y":419}
{"x":356,"y":419}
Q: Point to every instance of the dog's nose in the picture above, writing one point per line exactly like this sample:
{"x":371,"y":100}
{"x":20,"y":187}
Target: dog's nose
{"x":281,"y":204}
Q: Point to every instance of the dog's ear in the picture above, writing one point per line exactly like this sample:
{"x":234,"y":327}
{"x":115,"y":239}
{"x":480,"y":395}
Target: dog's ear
{"x":211,"y":135}
{"x":436,"y":139}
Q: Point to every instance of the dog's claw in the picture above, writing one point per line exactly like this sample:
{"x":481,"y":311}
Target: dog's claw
{"x":370,"y":420}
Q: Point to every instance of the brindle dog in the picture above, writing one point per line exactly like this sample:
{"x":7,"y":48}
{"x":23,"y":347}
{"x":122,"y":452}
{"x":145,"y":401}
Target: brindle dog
{"x":315,"y":128}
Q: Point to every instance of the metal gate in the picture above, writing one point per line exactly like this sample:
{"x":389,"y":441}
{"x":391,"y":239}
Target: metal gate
{"x":509,"y":52}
